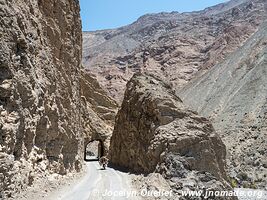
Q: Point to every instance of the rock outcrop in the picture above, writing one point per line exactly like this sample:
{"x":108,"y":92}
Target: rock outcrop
{"x":155,"y":132}
{"x":98,"y":112}
{"x":174,"y":46}
{"x":233,"y":95}
{"x":40,"y":62}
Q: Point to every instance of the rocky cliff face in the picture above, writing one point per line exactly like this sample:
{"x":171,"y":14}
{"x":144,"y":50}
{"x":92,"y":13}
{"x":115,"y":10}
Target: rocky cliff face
{"x":98,"y":112}
{"x":233,"y":95}
{"x":175,"y":46}
{"x":40,"y":61}
{"x":155,"y":132}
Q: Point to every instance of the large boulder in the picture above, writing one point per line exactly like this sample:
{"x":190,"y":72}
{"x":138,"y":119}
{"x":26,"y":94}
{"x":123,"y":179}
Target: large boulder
{"x":155,"y":132}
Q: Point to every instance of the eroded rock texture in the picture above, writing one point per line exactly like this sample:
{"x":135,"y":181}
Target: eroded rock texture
{"x":233,"y":95}
{"x":155,"y":132}
{"x":175,"y":46}
{"x":98,"y":112}
{"x":40,"y":61}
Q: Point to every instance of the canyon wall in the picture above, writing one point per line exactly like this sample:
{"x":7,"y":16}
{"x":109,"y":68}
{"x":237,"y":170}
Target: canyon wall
{"x":40,"y":62}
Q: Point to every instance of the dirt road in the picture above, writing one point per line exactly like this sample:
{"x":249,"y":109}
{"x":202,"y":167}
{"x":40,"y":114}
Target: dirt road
{"x":98,"y":184}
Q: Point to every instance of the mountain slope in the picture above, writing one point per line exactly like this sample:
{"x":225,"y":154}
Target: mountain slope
{"x":175,"y":46}
{"x":233,"y":95}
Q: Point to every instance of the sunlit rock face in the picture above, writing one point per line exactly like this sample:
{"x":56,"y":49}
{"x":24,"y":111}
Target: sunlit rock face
{"x":40,"y":62}
{"x":155,"y":132}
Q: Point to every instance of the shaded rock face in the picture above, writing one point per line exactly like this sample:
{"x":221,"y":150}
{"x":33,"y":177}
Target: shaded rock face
{"x":174,"y":46}
{"x":155,"y":132}
{"x":98,"y":112}
{"x":233,"y":95}
{"x":40,"y":61}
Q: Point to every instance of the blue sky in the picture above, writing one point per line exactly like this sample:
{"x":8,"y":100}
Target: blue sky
{"x":105,"y":14}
